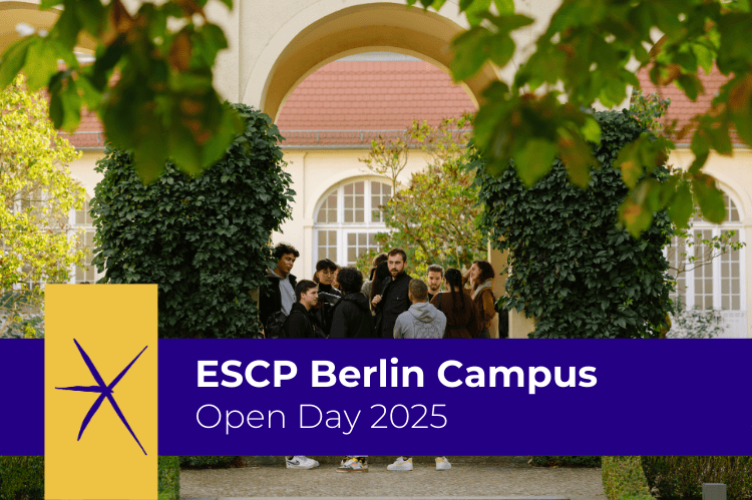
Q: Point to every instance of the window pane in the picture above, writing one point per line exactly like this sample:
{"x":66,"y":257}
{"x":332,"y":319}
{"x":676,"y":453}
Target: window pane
{"x":351,"y":239}
{"x":725,"y":302}
{"x":360,"y":187}
{"x":349,"y":189}
{"x":352,"y":255}
{"x":375,"y":188}
{"x":362,"y":237}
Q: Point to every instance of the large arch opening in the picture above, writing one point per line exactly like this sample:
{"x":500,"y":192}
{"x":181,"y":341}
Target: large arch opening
{"x":391,"y":27}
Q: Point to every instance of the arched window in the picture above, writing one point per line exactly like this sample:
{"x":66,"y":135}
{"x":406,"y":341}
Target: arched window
{"x":347,"y":220}
{"x":708,"y":278}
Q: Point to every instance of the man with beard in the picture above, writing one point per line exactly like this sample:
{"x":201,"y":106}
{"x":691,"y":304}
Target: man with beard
{"x":394,"y":299}
{"x":435,"y":279}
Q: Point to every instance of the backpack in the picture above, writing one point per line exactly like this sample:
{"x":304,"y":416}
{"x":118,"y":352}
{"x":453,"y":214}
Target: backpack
{"x":275,"y":325}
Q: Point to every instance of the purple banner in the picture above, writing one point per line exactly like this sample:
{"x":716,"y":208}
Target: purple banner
{"x":442,"y":397}
{"x":631,"y":397}
{"x":21,"y":397}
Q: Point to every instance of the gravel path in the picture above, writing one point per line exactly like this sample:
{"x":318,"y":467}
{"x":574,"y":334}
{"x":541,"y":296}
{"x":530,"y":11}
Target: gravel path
{"x":462,"y":481}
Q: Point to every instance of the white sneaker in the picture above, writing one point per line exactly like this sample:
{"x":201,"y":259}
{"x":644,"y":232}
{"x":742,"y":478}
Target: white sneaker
{"x":442,"y":463}
{"x":301,"y":462}
{"x":401,"y":464}
{"x":352,"y":465}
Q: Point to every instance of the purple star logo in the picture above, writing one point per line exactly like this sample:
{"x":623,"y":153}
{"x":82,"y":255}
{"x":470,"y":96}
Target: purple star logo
{"x":105,"y":392}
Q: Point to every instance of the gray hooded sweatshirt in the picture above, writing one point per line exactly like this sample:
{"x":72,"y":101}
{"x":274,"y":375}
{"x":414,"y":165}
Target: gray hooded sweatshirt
{"x":421,"y":321}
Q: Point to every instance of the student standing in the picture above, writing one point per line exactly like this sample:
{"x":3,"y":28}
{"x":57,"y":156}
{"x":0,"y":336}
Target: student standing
{"x":393,"y":299}
{"x":366,"y":288}
{"x":300,"y":324}
{"x":421,"y":321}
{"x":458,"y":307}
{"x":279,"y":295}
{"x":481,"y":277}
{"x":328,"y":295}
{"x":352,"y":315}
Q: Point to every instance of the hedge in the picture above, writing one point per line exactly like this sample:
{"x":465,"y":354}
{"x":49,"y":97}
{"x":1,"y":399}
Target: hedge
{"x":682,"y":477}
{"x":574,"y":268}
{"x":204,"y":462}
{"x":169,"y":478}
{"x":566,"y":461}
{"x":204,"y":240}
{"x":21,"y":478}
{"x":623,"y":478}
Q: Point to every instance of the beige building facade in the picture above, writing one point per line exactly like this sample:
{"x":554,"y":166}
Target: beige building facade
{"x":276,"y":44}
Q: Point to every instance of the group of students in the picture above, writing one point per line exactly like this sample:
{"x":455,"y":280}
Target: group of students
{"x":337,"y":303}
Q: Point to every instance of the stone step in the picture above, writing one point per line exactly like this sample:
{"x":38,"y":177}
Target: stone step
{"x":335,"y":460}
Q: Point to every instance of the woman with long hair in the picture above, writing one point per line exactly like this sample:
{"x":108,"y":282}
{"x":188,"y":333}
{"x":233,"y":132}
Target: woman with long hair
{"x":481,"y":277}
{"x":458,"y":307}
{"x":366,"y":288}
{"x":381,"y":274}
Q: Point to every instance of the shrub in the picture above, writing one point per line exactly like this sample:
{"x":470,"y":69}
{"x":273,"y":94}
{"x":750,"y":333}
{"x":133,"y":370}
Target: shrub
{"x":169,"y":478}
{"x":207,"y":461}
{"x":203,"y":239}
{"x":567,"y":461}
{"x":574,"y":268}
{"x":695,"y":323}
{"x":21,"y":478}
{"x":682,"y":477}
{"x":623,"y":478}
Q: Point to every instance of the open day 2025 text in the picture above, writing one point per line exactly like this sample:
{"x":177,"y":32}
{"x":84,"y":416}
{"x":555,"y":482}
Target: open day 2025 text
{"x":450,"y":374}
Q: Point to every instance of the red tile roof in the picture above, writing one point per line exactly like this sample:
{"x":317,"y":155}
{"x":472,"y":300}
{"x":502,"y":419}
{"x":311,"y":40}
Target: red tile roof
{"x":367,"y":96}
{"x":681,"y":108}
{"x":371,"y":95}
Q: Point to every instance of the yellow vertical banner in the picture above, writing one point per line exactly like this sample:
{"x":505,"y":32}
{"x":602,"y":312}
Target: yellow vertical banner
{"x":101,"y":392}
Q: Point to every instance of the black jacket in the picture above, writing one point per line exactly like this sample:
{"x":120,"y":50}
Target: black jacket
{"x":299,"y":324}
{"x":322,"y":313}
{"x":394,"y":301}
{"x":352,"y":318}
{"x":270,"y":296}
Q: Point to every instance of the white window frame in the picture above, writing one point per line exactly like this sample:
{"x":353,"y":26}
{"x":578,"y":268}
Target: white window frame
{"x":726,"y":315}
{"x":344,"y":228}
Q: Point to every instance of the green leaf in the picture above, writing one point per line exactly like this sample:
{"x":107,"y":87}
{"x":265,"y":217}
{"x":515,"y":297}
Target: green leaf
{"x":690,"y":84}
{"x":13,"y":60}
{"x":680,"y":209}
{"x":635,"y":217}
{"x":91,"y":15}
{"x":502,"y":49}
{"x":474,"y":10}
{"x":534,"y":159}
{"x":591,"y":131}
{"x":704,"y":57}
{"x":39,"y":66}
{"x":698,"y":163}
{"x":67,"y":27}
{"x":740,"y":106}
{"x":504,"y":6}
{"x":470,"y":53}
{"x":231,"y":125}
{"x":48,"y":4}
{"x":709,"y":198}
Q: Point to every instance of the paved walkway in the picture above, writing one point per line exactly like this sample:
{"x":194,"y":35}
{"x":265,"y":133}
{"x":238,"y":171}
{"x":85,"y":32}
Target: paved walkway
{"x":462,"y":481}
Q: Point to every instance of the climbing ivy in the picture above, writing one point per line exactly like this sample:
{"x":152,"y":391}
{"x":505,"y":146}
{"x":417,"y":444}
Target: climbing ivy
{"x":204,"y":239}
{"x":574,"y":267}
